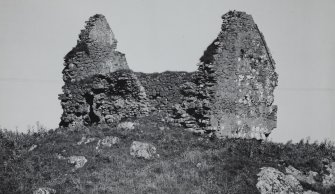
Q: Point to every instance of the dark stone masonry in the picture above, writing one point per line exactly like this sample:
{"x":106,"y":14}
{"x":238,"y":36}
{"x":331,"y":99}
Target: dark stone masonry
{"x":99,"y":86}
{"x":230,"y":94}
{"x":163,"y":89}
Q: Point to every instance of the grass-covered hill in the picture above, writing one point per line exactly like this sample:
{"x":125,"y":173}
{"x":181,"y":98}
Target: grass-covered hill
{"x":185,"y":162}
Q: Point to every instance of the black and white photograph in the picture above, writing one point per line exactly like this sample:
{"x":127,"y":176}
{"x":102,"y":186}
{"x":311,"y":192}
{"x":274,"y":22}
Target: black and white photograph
{"x":167,"y":97}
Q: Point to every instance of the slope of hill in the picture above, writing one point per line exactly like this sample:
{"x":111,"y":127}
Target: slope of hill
{"x":181,"y":162}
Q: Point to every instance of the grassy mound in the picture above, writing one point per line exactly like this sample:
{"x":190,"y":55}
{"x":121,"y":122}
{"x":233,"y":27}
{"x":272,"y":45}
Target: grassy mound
{"x":188,"y":163}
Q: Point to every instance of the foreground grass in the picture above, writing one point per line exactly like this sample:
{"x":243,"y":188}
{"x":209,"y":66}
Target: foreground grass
{"x":187,"y":164}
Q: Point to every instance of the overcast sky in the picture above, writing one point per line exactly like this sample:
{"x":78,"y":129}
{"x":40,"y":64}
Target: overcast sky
{"x":158,"y":35}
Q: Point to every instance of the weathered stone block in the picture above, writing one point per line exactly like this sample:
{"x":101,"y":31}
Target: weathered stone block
{"x":143,"y":150}
{"x":272,"y":181}
{"x":78,"y":161}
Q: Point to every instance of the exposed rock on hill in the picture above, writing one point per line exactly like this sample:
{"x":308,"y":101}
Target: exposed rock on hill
{"x":154,"y":156}
{"x":109,"y":141}
{"x":329,"y":176}
{"x":302,"y":177}
{"x":78,"y":161}
{"x":232,"y":92}
{"x":143,"y":150}
{"x":126,"y":126}
{"x":272,"y":181}
{"x":44,"y":190}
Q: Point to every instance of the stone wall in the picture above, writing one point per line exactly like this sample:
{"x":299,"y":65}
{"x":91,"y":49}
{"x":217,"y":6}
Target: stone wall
{"x":99,"y":86}
{"x":94,"y":53}
{"x":230,"y":94}
{"x":163,"y":89}
{"x":103,"y":99}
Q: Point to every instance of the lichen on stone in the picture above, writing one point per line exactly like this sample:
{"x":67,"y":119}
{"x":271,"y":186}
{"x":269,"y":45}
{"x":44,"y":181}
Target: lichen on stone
{"x":234,"y":84}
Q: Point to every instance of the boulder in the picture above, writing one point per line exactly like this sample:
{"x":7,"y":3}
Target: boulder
{"x":143,"y":150}
{"x":300,"y":176}
{"x":86,"y":140}
{"x":272,"y":181}
{"x":126,"y":125}
{"x":109,"y":141}
{"x":33,"y":147}
{"x":329,"y":176}
{"x":78,"y":161}
{"x":310,"y":192}
{"x":60,"y":157}
{"x":44,"y":190}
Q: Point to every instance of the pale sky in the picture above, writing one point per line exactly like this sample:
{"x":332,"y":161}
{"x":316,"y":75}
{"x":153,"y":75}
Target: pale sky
{"x":162,"y":35}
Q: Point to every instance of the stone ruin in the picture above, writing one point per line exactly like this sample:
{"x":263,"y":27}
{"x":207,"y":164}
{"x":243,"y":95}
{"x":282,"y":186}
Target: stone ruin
{"x":99,"y":86}
{"x":230,"y":94}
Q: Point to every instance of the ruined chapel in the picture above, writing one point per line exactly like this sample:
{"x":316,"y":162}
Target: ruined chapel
{"x":230,"y":93}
